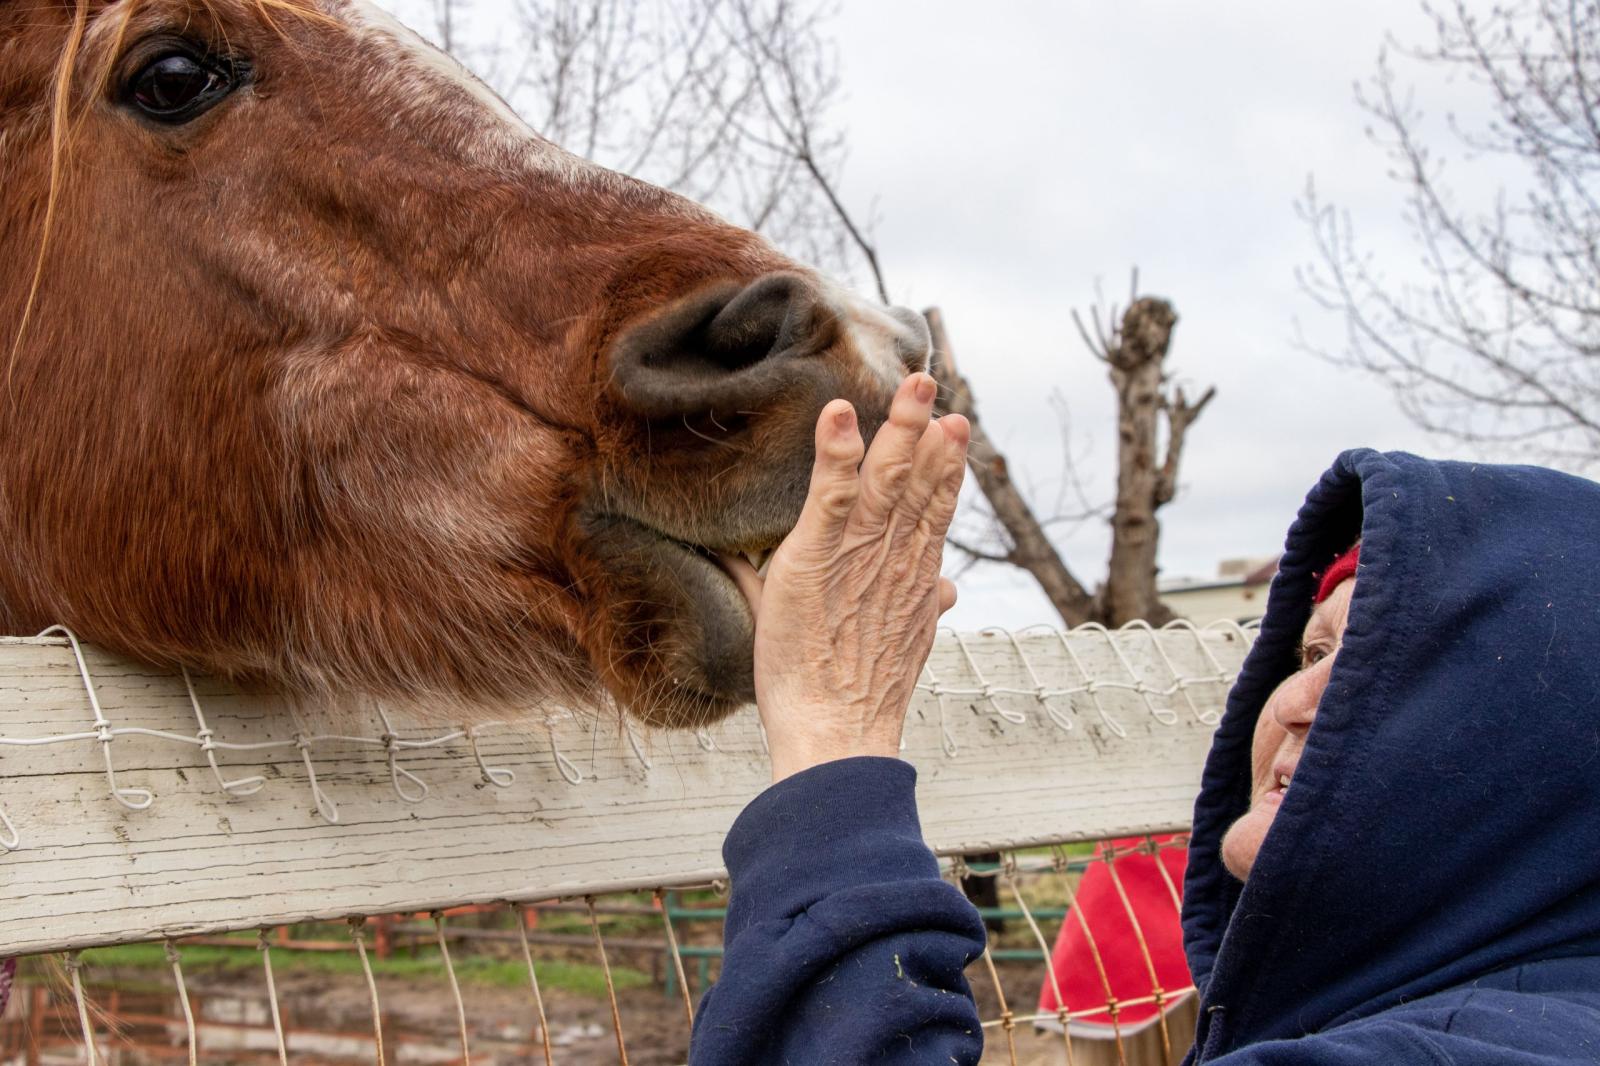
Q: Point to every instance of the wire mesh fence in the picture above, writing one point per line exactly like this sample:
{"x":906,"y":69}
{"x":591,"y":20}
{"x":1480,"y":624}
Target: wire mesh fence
{"x":610,"y":979}
{"x":587,"y":848}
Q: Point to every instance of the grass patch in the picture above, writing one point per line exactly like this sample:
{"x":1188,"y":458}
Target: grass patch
{"x":580,"y":978}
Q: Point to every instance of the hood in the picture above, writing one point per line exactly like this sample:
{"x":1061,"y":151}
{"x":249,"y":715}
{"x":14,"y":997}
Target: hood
{"x":1444,"y":821}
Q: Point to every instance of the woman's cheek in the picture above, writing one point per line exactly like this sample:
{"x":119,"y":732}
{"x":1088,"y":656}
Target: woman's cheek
{"x":1263,"y":748}
{"x":1242,"y":841}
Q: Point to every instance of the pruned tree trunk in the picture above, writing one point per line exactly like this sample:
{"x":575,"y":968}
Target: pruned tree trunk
{"x":1135,"y":356}
{"x":1029,"y":547}
{"x":1136,"y":372}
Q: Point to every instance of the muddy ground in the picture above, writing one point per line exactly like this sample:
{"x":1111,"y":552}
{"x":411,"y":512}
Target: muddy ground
{"x":328,"y":1022}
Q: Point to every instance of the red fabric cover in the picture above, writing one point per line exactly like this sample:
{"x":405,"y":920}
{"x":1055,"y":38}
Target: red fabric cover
{"x":1342,"y":568}
{"x":1127,"y":974}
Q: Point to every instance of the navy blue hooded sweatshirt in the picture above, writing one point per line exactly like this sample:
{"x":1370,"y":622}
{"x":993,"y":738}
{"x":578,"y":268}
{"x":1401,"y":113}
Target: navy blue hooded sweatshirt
{"x":1429,"y":891}
{"x":842,"y":945}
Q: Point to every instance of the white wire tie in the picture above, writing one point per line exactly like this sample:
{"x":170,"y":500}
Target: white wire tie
{"x":633,"y":742}
{"x":1090,"y":685}
{"x":1161,"y":714}
{"x":947,"y":740}
{"x":498,"y":776}
{"x":75,"y":967}
{"x":987,"y":691}
{"x":1220,"y":676}
{"x":391,"y":746}
{"x":1042,"y":692}
{"x":1167,"y":716}
{"x":564,"y":766}
{"x":10,"y":839}
{"x":141,"y":798}
{"x":325,"y":805}
{"x":244,"y":786}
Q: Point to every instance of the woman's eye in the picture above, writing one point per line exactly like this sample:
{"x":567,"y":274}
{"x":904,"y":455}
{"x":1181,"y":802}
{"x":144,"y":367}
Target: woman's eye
{"x":178,"y":87}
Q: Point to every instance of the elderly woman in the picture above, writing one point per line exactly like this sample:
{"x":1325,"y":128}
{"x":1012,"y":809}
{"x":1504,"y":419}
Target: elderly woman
{"x":1431,"y":894}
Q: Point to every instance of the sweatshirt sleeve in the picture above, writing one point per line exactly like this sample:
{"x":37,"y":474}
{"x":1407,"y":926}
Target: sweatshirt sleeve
{"x":842,"y":944}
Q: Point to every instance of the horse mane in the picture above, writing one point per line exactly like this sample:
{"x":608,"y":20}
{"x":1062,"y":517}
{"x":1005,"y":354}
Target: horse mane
{"x":62,"y":127}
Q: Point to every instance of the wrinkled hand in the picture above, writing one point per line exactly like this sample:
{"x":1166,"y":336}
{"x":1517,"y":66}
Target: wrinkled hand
{"x":846,"y":614}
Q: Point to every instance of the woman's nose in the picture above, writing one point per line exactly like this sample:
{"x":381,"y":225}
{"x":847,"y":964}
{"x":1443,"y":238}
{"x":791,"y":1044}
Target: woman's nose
{"x":1296,"y":704}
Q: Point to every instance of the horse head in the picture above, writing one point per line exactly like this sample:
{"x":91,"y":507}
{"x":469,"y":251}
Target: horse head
{"x":322,"y":370}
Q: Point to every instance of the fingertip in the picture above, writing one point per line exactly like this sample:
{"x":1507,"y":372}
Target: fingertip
{"x":837,"y":416}
{"x":913,"y":400}
{"x":957,"y":428}
{"x":838,"y":436}
{"x":947,"y":594}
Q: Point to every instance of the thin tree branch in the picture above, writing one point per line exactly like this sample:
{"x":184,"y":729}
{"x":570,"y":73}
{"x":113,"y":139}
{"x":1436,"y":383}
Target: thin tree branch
{"x":1180,"y":416}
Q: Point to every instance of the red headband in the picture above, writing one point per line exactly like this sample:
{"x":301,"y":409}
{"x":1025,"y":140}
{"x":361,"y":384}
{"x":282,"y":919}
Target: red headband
{"x":1343,"y":568}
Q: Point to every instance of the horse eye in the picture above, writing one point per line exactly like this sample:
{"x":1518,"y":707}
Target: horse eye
{"x":178,"y":87}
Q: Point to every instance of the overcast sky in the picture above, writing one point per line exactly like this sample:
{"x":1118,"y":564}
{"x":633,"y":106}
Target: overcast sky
{"x":1016,"y":153}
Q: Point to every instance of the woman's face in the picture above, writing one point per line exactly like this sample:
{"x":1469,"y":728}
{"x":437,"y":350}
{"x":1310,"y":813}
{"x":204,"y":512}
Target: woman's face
{"x":1281,"y":730}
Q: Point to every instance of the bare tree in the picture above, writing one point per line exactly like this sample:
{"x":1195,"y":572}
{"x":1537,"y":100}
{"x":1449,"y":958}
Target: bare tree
{"x":1135,"y":354}
{"x":1134,"y":350}
{"x":1499,"y":340}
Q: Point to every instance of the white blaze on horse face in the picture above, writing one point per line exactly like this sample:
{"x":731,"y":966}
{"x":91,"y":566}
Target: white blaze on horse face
{"x":402,"y":39}
{"x":881,"y":337}
{"x":428,"y":73}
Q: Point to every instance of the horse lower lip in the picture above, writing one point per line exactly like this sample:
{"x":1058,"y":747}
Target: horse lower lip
{"x":709,"y":614}
{"x":714,"y":561}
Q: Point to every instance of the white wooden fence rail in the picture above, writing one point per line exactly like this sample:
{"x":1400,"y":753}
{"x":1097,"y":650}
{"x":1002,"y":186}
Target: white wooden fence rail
{"x":1020,"y":739}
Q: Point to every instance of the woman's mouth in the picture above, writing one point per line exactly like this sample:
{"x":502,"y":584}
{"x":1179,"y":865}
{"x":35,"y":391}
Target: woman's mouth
{"x":1279,"y":788}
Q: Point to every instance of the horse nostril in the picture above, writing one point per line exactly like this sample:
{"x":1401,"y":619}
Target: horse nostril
{"x":728,"y":347}
{"x":780,"y":314}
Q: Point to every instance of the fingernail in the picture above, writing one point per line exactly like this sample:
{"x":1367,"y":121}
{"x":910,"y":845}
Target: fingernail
{"x":846,"y":418}
{"x":925,"y":388}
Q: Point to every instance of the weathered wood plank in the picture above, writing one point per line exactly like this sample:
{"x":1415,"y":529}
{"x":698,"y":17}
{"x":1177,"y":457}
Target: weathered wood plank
{"x":997,"y":771}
